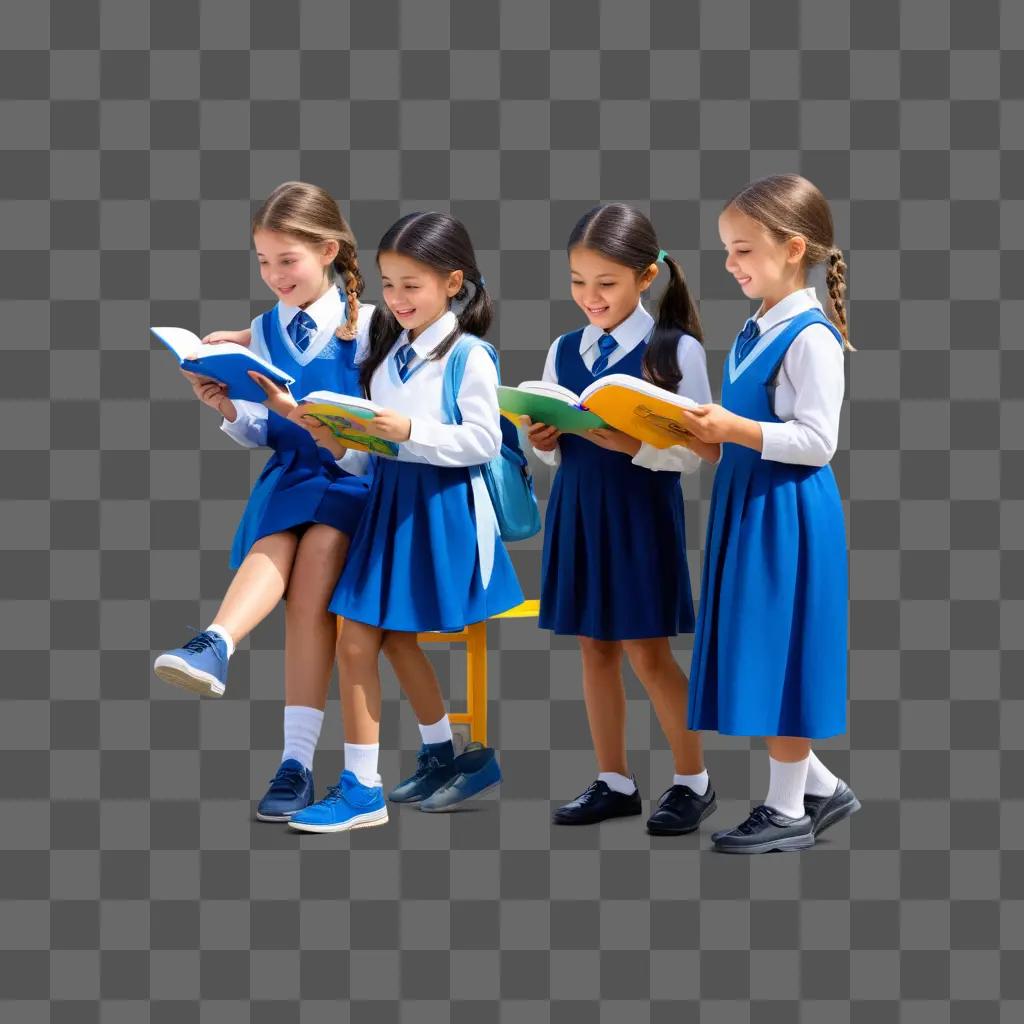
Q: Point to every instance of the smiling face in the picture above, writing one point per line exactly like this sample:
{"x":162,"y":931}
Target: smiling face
{"x":417,"y":294}
{"x":294,"y":269}
{"x":763,"y":267}
{"x":606,"y":291}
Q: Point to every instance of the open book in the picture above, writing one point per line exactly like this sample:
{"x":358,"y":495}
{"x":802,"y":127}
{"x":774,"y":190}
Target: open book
{"x":227,"y":362}
{"x":341,"y":415}
{"x":627,"y":403}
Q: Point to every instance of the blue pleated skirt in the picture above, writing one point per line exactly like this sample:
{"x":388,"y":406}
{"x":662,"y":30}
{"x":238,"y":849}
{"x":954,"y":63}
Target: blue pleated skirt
{"x":413,"y":564}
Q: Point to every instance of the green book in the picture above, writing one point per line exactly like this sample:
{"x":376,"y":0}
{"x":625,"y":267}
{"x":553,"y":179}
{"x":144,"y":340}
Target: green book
{"x":547,"y":403}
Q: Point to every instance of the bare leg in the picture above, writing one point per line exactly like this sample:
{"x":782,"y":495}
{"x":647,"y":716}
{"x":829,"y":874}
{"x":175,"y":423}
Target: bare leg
{"x":258,"y":585}
{"x":788,"y":748}
{"x":605,"y":698}
{"x":416,"y":676}
{"x":311,"y":630}
{"x":666,"y":686}
{"x":359,"y":677}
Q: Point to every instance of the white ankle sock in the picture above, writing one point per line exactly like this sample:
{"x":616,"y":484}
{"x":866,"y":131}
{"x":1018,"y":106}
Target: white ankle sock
{"x":361,"y":761}
{"x":786,"y":787}
{"x":617,"y":783}
{"x":301,"y":732}
{"x":698,"y":783}
{"x":820,"y":781}
{"x":439,"y":732}
{"x":224,"y":634}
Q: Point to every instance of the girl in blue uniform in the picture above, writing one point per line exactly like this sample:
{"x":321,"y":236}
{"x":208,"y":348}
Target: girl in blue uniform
{"x":770,"y":648}
{"x":427,"y":554}
{"x":614,"y":563}
{"x":294,"y":534}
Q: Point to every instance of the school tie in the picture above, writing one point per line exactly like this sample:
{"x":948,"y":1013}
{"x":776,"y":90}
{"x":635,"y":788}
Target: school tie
{"x":747,"y":339}
{"x":403,"y":357}
{"x":607,"y":346}
{"x":301,"y":330}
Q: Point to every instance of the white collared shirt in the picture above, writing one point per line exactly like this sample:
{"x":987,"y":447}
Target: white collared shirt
{"x":249,"y":428}
{"x":810,"y":386}
{"x":694,"y":383}
{"x":471,"y":443}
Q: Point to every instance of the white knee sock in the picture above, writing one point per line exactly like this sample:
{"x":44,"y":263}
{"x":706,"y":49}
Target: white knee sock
{"x":820,"y":781}
{"x":439,"y":732}
{"x":301,"y":733}
{"x":698,"y":783}
{"x":361,"y":761}
{"x":617,"y":783}
{"x":224,"y":634}
{"x":786,"y":787}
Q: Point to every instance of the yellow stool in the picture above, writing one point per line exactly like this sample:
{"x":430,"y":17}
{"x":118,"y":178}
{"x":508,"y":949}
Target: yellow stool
{"x":474,"y":637}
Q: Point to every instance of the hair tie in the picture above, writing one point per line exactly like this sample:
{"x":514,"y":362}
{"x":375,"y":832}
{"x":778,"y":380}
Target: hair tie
{"x":661,"y":256}
{"x":482,"y":282}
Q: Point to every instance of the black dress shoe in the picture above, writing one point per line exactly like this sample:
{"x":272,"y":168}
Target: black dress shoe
{"x":826,"y":811}
{"x":766,"y":830}
{"x":680,"y":810}
{"x":597,"y":803}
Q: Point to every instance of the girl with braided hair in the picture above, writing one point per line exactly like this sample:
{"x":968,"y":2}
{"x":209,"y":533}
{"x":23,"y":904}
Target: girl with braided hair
{"x":294,"y":535}
{"x":770,"y":648}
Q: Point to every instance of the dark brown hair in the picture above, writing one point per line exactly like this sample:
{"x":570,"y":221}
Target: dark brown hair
{"x":442,"y":243}
{"x":626,"y":236}
{"x":788,"y":205}
{"x":308,"y":212}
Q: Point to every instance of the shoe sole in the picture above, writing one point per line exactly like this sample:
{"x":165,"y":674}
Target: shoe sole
{"x":368,"y":820}
{"x":458,"y":803}
{"x":175,"y":671}
{"x":597,"y":821}
{"x":274,"y":817}
{"x":837,"y":815}
{"x":788,"y":845}
{"x":658,"y":831}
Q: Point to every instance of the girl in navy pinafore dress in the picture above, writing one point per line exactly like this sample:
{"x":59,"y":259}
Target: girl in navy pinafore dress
{"x":614,"y":564}
{"x":770,"y":649}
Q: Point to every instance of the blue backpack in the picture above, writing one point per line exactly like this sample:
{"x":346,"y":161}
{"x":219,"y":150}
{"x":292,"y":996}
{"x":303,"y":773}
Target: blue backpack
{"x":507,"y":475}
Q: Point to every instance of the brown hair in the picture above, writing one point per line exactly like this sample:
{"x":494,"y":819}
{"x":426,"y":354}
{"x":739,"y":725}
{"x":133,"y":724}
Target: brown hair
{"x":626,"y":236}
{"x":308,"y":212}
{"x":788,"y":205}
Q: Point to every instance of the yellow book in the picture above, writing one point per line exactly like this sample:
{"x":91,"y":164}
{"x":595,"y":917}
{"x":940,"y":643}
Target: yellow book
{"x":639,"y":408}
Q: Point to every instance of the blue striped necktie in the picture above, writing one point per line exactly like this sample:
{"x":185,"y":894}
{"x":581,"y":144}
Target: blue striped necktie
{"x":301,"y":330}
{"x":403,"y":357}
{"x":607,"y":346}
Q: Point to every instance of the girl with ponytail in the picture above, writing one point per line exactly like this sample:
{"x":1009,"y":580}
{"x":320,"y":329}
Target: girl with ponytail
{"x":614,"y":565}
{"x":295,"y":531}
{"x":427,"y":554}
{"x":770,"y":651}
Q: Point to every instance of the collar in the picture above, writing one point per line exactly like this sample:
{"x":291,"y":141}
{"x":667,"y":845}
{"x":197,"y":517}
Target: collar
{"x":628,"y":334}
{"x":326,"y":310}
{"x":430,"y":338}
{"x":793,"y":304}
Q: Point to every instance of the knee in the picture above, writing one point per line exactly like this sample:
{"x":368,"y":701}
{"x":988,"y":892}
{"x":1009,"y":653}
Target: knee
{"x":650,"y":661}
{"x":602,"y":655}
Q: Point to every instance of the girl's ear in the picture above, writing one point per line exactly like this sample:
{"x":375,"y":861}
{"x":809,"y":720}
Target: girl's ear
{"x":455,"y":279}
{"x":796,"y":249}
{"x":646,"y":279}
{"x":329,"y":251}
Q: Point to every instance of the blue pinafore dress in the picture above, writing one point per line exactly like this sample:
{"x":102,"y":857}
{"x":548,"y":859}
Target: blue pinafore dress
{"x":770,"y":650}
{"x":614,"y":565}
{"x":301,"y":482}
{"x":415,"y":563}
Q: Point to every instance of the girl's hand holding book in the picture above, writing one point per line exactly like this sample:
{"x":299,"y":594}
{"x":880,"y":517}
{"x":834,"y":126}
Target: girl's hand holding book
{"x":279,"y":399}
{"x":390,"y":425}
{"x":323,"y":436}
{"x":614,"y":440}
{"x":212,"y":393}
{"x":542,"y":437}
{"x":237,"y":337}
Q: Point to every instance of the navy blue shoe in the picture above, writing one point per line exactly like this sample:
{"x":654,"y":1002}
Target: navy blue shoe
{"x":476,"y":771}
{"x":435,"y":766}
{"x":200,"y":666}
{"x":291,"y":789}
{"x":346,"y":806}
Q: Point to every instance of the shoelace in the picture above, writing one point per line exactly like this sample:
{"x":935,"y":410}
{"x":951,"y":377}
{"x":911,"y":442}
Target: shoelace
{"x":200,"y":643}
{"x":588,"y":794}
{"x":758,"y":816}
{"x":332,"y":796}
{"x":290,"y":778}
{"x":425,"y":764}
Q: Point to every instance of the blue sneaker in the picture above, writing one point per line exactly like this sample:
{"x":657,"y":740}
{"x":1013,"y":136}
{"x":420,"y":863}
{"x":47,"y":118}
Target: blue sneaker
{"x":435,"y":765}
{"x":291,"y":789}
{"x":476,"y":772}
{"x":200,"y":666}
{"x":346,"y":806}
